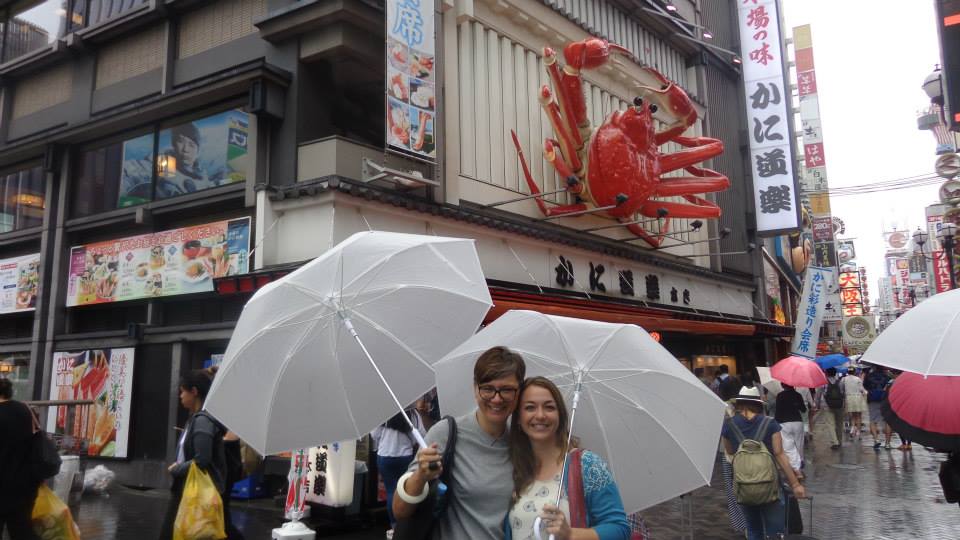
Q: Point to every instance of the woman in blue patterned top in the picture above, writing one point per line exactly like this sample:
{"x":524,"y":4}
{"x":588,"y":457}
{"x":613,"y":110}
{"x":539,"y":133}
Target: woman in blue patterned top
{"x":538,"y":445}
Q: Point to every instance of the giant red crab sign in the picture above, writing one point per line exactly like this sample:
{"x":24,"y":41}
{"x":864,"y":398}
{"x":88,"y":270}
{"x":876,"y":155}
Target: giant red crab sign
{"x":618,"y":166}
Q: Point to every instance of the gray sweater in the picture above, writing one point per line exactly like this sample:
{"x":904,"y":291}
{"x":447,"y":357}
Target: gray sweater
{"x":482,"y":482}
{"x":203,"y":444}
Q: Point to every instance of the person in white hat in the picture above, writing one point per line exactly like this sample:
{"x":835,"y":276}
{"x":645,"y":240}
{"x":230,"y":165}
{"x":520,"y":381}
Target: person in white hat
{"x":763,"y":520}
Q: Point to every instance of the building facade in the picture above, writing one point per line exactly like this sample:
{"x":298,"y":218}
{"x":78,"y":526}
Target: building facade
{"x":162,"y":161}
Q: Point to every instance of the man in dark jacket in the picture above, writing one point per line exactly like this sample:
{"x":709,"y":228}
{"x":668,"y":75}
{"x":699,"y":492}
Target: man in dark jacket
{"x":18,"y":489}
{"x":729,"y":385}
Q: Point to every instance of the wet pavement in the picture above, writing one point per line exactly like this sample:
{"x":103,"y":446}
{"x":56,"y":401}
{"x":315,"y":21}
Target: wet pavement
{"x":859,"y":493}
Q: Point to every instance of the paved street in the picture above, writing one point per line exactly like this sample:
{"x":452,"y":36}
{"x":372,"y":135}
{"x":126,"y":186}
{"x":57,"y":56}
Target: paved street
{"x":858,"y":493}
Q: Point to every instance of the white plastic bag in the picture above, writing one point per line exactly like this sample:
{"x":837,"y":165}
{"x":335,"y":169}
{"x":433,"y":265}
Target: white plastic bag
{"x":98,"y":479}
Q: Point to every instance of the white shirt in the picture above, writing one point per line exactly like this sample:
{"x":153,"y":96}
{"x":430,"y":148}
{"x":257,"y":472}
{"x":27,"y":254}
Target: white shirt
{"x":392,"y":443}
{"x":852,"y":385}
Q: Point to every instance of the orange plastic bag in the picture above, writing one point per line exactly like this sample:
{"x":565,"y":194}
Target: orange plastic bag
{"x":51,"y":517}
{"x":200,"y":515}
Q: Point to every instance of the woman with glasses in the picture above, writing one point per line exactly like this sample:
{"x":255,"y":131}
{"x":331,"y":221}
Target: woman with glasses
{"x":480,"y":482}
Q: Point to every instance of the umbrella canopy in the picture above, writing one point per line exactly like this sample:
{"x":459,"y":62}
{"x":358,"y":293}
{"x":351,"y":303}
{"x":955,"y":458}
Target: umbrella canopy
{"x":923,"y":340}
{"x":926,"y":410}
{"x":831,"y":361}
{"x":768,"y":381}
{"x":653,"y":421}
{"x":295,"y":375}
{"x":798,"y":372}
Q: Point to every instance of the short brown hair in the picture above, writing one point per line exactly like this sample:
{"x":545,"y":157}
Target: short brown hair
{"x":498,"y":362}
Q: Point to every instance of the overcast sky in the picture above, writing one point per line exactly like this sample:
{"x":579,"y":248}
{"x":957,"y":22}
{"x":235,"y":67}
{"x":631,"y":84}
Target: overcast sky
{"x":871,"y":57}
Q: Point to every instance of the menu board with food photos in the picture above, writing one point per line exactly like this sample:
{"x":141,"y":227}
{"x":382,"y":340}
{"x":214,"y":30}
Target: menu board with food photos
{"x":411,"y":78}
{"x":19,"y":283}
{"x":179,"y":261}
{"x":104,"y":376}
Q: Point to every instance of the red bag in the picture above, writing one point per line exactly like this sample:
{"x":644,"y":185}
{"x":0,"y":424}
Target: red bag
{"x":577,"y":502}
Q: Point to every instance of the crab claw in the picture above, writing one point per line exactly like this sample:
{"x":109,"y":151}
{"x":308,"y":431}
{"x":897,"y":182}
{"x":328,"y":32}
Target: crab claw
{"x":591,"y":53}
{"x":670,"y":98}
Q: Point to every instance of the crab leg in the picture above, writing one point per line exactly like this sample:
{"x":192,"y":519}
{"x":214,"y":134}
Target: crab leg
{"x":701,"y":208}
{"x":567,"y":144}
{"x":698,"y":149}
{"x":565,"y":98}
{"x":687,"y":185}
{"x":589,"y":53}
{"x":535,"y":189}
{"x":654,"y":241}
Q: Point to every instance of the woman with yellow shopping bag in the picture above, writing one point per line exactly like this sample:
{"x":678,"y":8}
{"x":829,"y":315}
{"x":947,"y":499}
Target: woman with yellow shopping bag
{"x":196,"y":505}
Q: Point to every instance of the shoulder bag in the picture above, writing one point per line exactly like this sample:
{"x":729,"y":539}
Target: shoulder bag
{"x":419,"y":526}
{"x":44,"y":458}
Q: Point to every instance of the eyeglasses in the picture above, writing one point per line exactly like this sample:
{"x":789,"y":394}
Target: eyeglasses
{"x":507,"y":393}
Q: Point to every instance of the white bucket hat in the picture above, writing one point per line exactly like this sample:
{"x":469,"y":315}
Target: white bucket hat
{"x":749,"y":393}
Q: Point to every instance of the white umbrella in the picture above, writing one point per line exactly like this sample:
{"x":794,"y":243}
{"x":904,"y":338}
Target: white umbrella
{"x":923,"y":340}
{"x":332,"y":350}
{"x":768,"y":381}
{"x":653,"y":421}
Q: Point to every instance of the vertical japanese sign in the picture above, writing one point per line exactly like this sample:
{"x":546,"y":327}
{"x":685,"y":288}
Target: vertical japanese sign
{"x":810,"y":314}
{"x":411,"y":78}
{"x":767,"y":98}
{"x":104,"y":376}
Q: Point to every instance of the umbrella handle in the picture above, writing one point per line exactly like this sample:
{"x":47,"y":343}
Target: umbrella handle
{"x":536,"y":529}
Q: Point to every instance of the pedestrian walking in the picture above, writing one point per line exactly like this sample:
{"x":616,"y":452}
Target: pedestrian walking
{"x":855,"y":402}
{"x":757,"y":447}
{"x":233,"y":459}
{"x":481,"y":457}
{"x":830,"y":408}
{"x":590,"y":506}
{"x":905,"y":443}
{"x":396,"y":446}
{"x":729,"y":385}
{"x":737,"y":520}
{"x":18,"y":487}
{"x":790,"y":408}
{"x":877,"y":384}
{"x":201,"y":443}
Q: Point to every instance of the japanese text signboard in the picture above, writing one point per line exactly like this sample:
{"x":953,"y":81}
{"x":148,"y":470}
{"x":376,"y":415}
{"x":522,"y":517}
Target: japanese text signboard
{"x":178,"y":261}
{"x":411,"y":78}
{"x":810,"y":314}
{"x":19,"y":283}
{"x":767,"y":99}
{"x":104,"y":376}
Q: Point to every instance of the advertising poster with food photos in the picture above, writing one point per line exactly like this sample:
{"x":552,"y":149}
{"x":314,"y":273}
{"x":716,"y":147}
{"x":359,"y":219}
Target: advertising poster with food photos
{"x":104,"y":376}
{"x":19,"y":283}
{"x":179,"y":261}
{"x":411,"y":78}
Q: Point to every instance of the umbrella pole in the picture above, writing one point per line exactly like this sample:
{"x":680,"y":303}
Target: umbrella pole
{"x":353,"y":332}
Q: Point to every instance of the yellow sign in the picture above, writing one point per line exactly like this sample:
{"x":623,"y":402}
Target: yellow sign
{"x":820,"y":204}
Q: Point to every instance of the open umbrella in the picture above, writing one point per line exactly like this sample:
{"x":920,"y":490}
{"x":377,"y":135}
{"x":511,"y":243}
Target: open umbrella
{"x":767,"y":380}
{"x":925,"y":409}
{"x":923,"y":340}
{"x":334,"y":349}
{"x":798,"y":372}
{"x":653,"y":421}
{"x":831,"y":361}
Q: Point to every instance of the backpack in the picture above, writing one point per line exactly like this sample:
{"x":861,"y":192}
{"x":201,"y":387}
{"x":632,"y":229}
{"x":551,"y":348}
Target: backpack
{"x":834,"y":397}
{"x":755,"y":477}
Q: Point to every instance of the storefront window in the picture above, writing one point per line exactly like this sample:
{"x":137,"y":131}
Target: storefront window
{"x":22,"y":199}
{"x":16,"y":367}
{"x":193,"y":156}
{"x":202,"y":154}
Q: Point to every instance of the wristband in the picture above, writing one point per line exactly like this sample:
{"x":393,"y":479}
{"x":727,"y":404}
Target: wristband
{"x":405,"y":497}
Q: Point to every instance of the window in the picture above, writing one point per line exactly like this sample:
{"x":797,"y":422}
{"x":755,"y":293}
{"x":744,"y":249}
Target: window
{"x":22,"y":199}
{"x":190,"y":156}
{"x":16,"y":367}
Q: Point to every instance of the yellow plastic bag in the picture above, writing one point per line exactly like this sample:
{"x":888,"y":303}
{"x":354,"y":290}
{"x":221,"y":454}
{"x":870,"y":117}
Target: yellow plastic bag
{"x":200,"y":515}
{"x":51,"y":518}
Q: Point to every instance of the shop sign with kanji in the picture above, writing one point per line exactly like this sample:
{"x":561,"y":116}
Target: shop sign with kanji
{"x":767,"y":100}
{"x":849,"y":280}
{"x":810,"y":314}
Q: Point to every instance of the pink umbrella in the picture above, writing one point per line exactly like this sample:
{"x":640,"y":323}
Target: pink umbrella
{"x":798,"y":372}
{"x":925,"y":409}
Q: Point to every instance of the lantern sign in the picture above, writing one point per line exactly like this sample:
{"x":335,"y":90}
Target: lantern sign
{"x":767,"y":98}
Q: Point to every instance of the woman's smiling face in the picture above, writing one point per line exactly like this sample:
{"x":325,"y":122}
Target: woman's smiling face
{"x":497,"y":399}
{"x":539,"y":414}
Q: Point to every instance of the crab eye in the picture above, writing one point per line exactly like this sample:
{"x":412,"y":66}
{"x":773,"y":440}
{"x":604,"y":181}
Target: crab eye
{"x":653,"y":109}
{"x":638,"y":101}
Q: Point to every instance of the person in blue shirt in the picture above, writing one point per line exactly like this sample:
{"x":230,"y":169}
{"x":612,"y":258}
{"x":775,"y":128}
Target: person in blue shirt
{"x":765,"y":520}
{"x":538,"y":448}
